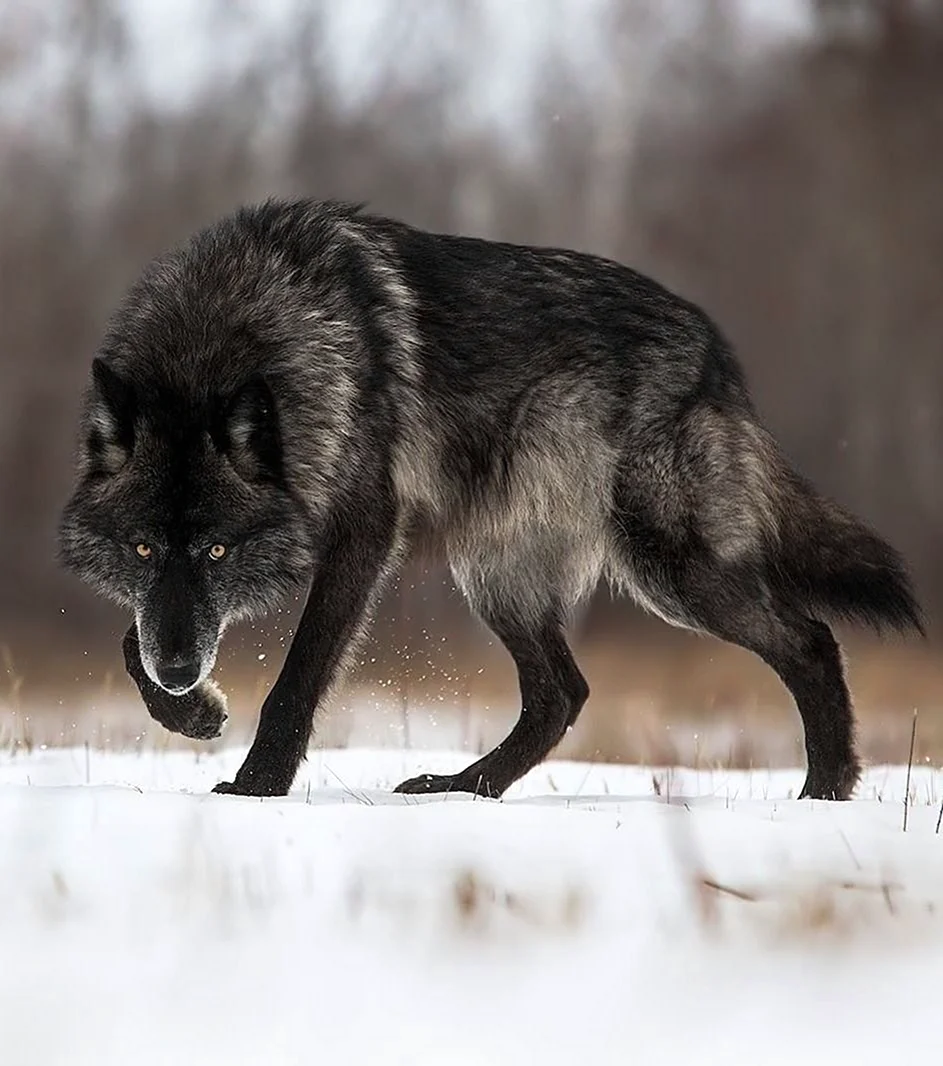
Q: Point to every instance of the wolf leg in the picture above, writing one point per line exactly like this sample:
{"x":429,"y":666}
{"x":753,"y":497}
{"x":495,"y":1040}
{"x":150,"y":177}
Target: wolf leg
{"x":807,"y":659}
{"x":199,"y":713}
{"x":553,"y":692}
{"x":690,"y":585}
{"x":809,"y":663}
{"x":354,"y":558}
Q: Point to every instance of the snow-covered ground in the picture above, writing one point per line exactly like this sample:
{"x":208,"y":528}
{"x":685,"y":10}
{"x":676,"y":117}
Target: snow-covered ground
{"x":597,"y":915}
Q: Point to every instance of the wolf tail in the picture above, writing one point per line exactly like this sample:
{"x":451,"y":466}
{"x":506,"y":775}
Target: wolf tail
{"x":829,"y":564}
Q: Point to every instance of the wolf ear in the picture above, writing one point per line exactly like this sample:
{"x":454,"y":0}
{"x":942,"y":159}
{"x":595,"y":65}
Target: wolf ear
{"x":112,"y":414}
{"x":251,"y":436}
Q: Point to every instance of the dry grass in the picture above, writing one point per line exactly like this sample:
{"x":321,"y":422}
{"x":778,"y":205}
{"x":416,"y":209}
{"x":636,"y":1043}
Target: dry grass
{"x":470,"y":904}
{"x":797,"y":907}
{"x":793,"y":914}
{"x":658,"y":698}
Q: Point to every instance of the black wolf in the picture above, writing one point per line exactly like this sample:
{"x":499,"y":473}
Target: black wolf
{"x":283,"y":402}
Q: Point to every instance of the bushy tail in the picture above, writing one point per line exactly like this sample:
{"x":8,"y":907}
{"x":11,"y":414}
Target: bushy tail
{"x":832,"y":566}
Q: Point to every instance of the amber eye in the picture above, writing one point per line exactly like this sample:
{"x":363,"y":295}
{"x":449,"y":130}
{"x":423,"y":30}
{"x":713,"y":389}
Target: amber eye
{"x":217,"y":551}
{"x":143,"y":550}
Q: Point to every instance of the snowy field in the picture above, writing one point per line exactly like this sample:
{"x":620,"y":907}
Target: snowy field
{"x":596,"y":915}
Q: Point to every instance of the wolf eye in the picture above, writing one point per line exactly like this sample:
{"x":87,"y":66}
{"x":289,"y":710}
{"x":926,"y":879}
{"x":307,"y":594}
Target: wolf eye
{"x":143,"y":550}
{"x":217,"y":551}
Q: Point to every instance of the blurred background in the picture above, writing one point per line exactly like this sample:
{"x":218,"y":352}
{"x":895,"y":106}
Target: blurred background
{"x":778,"y":161}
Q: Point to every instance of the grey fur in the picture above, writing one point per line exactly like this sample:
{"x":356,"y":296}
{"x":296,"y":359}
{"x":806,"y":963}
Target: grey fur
{"x":323,"y":385}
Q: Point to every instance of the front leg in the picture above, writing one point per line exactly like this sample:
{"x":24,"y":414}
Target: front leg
{"x":199,"y":713}
{"x":354,"y":557}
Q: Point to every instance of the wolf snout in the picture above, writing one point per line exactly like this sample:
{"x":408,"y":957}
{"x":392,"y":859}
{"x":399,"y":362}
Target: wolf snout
{"x":177,"y":678}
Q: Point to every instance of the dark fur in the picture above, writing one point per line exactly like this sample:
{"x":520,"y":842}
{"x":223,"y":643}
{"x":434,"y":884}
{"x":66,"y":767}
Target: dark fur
{"x":306,"y":384}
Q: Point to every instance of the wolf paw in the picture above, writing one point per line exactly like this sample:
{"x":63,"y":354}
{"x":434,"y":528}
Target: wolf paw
{"x":198,"y":714}
{"x":252,"y":785}
{"x":834,"y":785}
{"x":229,"y":788}
{"x":429,"y":783}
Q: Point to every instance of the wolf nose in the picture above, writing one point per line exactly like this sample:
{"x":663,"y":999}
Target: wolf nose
{"x":180,"y":677}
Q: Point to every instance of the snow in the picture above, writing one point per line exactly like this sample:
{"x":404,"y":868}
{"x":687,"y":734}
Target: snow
{"x":584,"y":919}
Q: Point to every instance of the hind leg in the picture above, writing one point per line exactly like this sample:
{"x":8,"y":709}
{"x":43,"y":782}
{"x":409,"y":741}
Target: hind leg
{"x":806,"y":657}
{"x":808,"y":661}
{"x":553,"y":692}
{"x":694,"y":587}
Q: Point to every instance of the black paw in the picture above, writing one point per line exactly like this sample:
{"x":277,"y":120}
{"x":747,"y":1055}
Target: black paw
{"x":430,"y":783}
{"x":835,"y":785}
{"x":229,"y":788}
{"x":199,"y":713}
{"x":252,"y":785}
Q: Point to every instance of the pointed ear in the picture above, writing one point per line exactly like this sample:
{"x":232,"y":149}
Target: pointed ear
{"x":111,"y":417}
{"x":251,"y":437}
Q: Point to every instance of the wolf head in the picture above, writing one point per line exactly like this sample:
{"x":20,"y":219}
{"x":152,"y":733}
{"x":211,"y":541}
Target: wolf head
{"x":181,"y":512}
